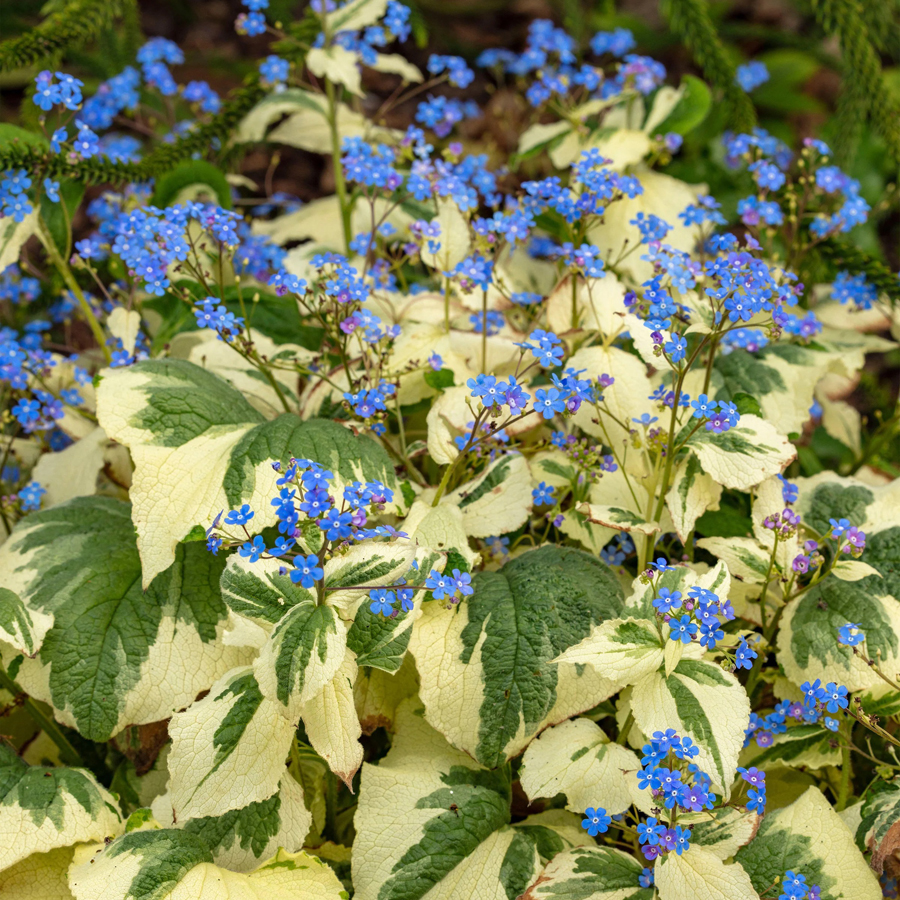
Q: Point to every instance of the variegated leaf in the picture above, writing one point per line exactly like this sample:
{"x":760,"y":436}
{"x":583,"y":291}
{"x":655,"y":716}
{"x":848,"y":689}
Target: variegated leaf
{"x":43,"y":808}
{"x":590,"y":873}
{"x":146,"y":653}
{"x":496,"y":648}
{"x":228,"y":749}
{"x":745,"y":455}
{"x":701,"y":701}
{"x":445,"y":830}
{"x":577,"y":759}
{"x":241,"y":838}
{"x":199,"y":447}
{"x":171,"y":864}
{"x":809,"y":837}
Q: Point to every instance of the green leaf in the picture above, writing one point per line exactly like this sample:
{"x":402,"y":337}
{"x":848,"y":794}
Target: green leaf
{"x":439,"y":380}
{"x":809,"y":837}
{"x":199,"y":448}
{"x":114,"y":654}
{"x":42,"y":808}
{"x":747,"y":404}
{"x":189,"y":179}
{"x":691,"y":109}
{"x":496,"y":648}
{"x":432,"y":821}
{"x":9,"y":134}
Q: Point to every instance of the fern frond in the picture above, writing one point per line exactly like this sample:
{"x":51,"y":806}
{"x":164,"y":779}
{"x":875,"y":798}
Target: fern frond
{"x":690,"y":21}
{"x":212,"y":134}
{"x":77,"y":23}
{"x":863,"y":79}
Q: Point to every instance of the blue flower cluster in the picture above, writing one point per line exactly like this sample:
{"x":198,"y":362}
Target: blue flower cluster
{"x":818,"y":700}
{"x":305,"y":490}
{"x":701,"y":619}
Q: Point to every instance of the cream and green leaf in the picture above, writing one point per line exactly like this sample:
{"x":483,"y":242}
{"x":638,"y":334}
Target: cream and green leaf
{"x":700,"y":873}
{"x":112,"y":654}
{"x":879,"y":826}
{"x":743,"y":456}
{"x":808,"y":645}
{"x":173,"y":864}
{"x":577,"y":759}
{"x":496,"y":649}
{"x":199,"y":447}
{"x":809,"y":837}
{"x":700,"y":700}
{"x":432,"y":821}
{"x":622,"y":650}
{"x":44,"y":808}
{"x":241,"y":838}
{"x":228,"y":749}
{"x":693,"y":492}
{"x":590,"y":873}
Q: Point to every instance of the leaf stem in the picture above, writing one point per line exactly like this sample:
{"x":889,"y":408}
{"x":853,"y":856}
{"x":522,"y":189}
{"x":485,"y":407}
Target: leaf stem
{"x":67,"y":753}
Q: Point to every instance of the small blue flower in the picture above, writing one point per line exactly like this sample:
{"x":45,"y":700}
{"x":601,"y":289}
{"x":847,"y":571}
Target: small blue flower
{"x":51,"y":189}
{"x":239,"y":516}
{"x":254,"y":549}
{"x":543,"y":494}
{"x":382,"y":602}
{"x":439,"y":585}
{"x":667,"y":600}
{"x":682,"y":839}
{"x":850,"y":635}
{"x":307,"y":571}
{"x":596,"y":821}
{"x":683,"y":630}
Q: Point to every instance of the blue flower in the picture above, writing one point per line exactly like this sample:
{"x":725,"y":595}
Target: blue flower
{"x":596,"y":821}
{"x":683,"y":630}
{"x":239,"y":516}
{"x":30,"y":496}
{"x":667,"y":600}
{"x":751,"y":75}
{"x":682,"y":839}
{"x":676,"y":348}
{"x":744,"y":655}
{"x":756,"y":800}
{"x":439,"y":585}
{"x":254,"y":549}
{"x":382,"y":602}
{"x":543,"y":494}
{"x":835,"y":697}
{"x":51,"y":189}
{"x":307,"y":571}
{"x":548,"y":402}
{"x":336,"y":525}
{"x":649,"y":832}
{"x":850,"y":635}
{"x":462,"y":582}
